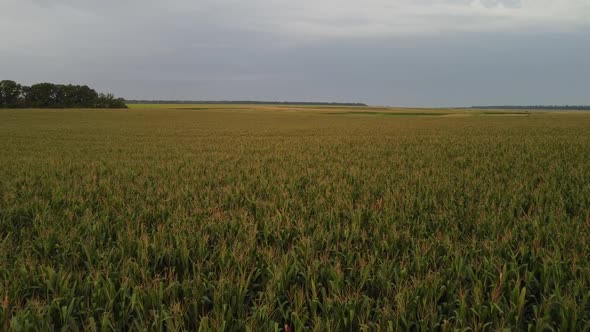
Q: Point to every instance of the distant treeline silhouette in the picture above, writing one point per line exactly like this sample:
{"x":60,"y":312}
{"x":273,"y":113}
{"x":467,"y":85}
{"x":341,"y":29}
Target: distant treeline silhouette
{"x":49,"y":95}
{"x":538,"y":107}
{"x":246,"y":102}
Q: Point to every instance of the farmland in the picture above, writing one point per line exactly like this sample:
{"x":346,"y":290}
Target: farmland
{"x":262,"y":218}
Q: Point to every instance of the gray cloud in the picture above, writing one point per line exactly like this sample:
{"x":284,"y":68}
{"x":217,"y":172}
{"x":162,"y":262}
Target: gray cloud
{"x":403,"y":52}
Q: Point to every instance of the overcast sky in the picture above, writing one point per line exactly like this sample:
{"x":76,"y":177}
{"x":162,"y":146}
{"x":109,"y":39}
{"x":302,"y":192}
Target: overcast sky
{"x":382,"y":52}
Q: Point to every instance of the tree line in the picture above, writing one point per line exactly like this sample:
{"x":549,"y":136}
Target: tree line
{"x":538,"y":107}
{"x":243,"y":102}
{"x":50,"y":95}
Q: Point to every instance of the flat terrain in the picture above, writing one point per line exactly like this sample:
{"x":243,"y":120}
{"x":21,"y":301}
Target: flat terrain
{"x":266,"y":218}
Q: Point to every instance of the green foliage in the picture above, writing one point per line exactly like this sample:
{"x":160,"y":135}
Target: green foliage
{"x":49,"y":95}
{"x":10,"y":93}
{"x":109,"y":101}
{"x":43,"y":95}
{"x":258,"y":220}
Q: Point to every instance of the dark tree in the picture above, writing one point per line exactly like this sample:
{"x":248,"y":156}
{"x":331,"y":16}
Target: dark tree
{"x":10,"y":93}
{"x":49,"y":95}
{"x":42,"y":95}
{"x":79,"y":96}
{"x":109,"y":101}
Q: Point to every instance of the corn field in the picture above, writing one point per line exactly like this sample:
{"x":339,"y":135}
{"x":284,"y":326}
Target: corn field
{"x":282,"y":219}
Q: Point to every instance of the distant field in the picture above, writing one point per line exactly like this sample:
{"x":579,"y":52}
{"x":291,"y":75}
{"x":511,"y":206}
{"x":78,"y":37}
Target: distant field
{"x":355,"y":110}
{"x":267,"y":218}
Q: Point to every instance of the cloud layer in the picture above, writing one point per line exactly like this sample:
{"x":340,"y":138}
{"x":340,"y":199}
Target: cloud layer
{"x":213,"y":22}
{"x":411,"y":52}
